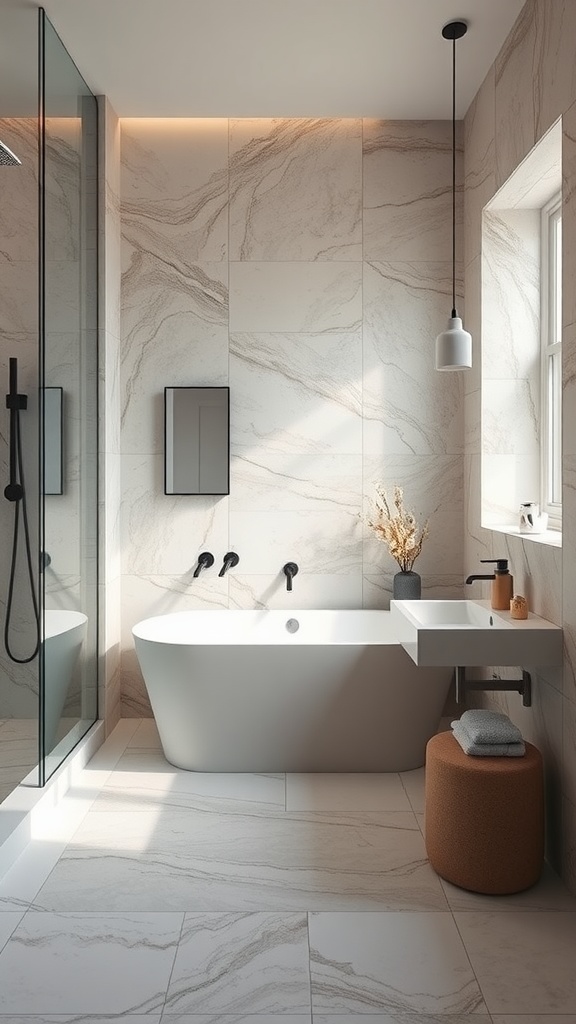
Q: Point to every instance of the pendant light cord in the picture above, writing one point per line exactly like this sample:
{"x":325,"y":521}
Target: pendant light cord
{"x":454,"y":178}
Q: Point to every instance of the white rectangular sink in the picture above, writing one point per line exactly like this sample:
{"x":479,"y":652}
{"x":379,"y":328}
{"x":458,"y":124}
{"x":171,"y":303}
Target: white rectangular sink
{"x":471,"y":633}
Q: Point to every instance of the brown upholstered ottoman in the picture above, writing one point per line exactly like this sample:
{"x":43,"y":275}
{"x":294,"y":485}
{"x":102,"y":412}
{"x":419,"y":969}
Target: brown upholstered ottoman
{"x":484,"y":821}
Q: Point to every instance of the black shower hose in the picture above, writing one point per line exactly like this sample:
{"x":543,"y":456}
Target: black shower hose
{"x":20,"y":504}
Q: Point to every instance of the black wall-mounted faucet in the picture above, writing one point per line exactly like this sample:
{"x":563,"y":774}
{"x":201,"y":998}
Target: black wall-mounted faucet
{"x":290,"y":570}
{"x":205,"y":560}
{"x":501,"y":567}
{"x":231,"y":559}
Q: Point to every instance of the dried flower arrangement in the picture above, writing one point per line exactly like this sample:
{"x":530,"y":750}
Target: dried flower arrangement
{"x":399,"y":530}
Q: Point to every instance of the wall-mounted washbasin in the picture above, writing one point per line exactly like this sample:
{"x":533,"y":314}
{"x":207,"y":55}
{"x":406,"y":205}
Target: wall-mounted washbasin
{"x":471,"y":633}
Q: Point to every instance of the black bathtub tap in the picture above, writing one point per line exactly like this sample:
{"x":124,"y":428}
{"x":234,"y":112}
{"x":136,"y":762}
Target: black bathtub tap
{"x":231,"y":559}
{"x":205,"y":560}
{"x":289,"y":570}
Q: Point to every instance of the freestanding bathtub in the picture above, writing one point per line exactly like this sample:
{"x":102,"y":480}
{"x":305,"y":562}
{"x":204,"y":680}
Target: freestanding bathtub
{"x":287,"y":691}
{"x":64,"y":633}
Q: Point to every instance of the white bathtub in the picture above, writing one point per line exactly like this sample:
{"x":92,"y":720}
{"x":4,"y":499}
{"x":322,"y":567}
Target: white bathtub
{"x":64,"y":633}
{"x":235,"y":691}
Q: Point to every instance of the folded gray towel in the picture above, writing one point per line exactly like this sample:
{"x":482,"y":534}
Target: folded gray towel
{"x":485,"y":749}
{"x":490,"y":727}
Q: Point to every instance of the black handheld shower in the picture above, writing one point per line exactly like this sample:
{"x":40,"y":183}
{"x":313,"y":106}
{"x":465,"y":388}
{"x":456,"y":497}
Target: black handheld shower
{"x":16,"y":491}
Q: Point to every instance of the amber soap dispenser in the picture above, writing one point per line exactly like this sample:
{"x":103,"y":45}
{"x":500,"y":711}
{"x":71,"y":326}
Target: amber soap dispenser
{"x":502,"y":585}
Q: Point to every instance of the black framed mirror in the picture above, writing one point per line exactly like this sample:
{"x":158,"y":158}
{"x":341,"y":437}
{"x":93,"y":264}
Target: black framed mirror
{"x":196,"y":440}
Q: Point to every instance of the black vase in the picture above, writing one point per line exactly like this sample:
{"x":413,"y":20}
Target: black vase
{"x":407,"y":586}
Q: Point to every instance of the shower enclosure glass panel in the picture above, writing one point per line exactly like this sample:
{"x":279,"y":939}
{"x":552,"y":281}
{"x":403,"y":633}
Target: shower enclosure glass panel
{"x":69,"y":357}
{"x":19,"y":331}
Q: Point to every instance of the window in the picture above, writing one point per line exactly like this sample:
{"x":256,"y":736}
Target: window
{"x":551,"y":351}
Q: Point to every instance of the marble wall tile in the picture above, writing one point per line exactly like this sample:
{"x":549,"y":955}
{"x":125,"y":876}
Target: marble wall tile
{"x":569,"y":844}
{"x":175,"y":332}
{"x":18,"y":191}
{"x":408,"y":963}
{"x":377,"y":589}
{"x":511,"y":420}
{"x":507,"y":481}
{"x":433,"y":489}
{"x":408,"y":407}
{"x":271,"y":481}
{"x":58,"y":963}
{"x":63,"y":137}
{"x":569,"y":751}
{"x":293,"y":297}
{"x":144,"y":596}
{"x":472,"y":423}
{"x":479,"y":165}
{"x":109,"y":512}
{"x":319,"y":542}
{"x":294,"y":393}
{"x":537,"y":570}
{"x":241,"y":963}
{"x":473,"y":322}
{"x":310,"y":590}
{"x":295,"y":189}
{"x":175,"y":188}
{"x":408,"y":190}
{"x":553,"y":93}
{"x":163,"y":534}
{"x":477,"y":540}
{"x":516,"y":91}
{"x":511,"y":294}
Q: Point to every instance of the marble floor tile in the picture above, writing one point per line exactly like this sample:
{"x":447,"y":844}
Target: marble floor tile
{"x":239,"y":1018}
{"x":413,"y":783}
{"x":534,"y":1018}
{"x":402,"y":1018}
{"x":549,"y":893}
{"x":146,"y":735}
{"x":94,"y":963}
{"x":81,"y":1018}
{"x":524,"y":962}
{"x":8,"y":922}
{"x":199,"y":860}
{"x":235,"y":963}
{"x":144,"y":779}
{"x":363,"y":963}
{"x":350,"y":793}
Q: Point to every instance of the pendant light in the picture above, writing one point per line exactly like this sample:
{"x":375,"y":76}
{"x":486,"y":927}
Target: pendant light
{"x":454,"y":345}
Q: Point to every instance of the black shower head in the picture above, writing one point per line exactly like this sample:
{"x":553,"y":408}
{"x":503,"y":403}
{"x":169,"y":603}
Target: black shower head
{"x":7,"y":157}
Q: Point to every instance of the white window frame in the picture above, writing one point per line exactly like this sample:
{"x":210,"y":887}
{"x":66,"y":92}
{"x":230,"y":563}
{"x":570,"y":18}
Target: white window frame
{"x":551,"y":362}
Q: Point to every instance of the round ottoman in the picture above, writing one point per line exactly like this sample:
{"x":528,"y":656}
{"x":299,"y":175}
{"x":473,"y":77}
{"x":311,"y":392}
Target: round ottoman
{"x":484,"y":820}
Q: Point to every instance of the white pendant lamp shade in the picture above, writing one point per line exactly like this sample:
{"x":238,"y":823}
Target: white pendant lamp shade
{"x":454,"y":347}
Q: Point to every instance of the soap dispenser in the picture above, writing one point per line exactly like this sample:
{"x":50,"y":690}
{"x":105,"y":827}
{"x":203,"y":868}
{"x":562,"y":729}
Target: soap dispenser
{"x":502,"y":585}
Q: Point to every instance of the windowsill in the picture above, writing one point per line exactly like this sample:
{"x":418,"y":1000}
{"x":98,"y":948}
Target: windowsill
{"x":551,"y":537}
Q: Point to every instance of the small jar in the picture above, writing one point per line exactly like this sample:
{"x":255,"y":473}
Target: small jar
{"x":518,"y":607}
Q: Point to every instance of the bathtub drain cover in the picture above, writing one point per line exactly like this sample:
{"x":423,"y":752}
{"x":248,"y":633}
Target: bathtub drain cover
{"x":292,"y":625}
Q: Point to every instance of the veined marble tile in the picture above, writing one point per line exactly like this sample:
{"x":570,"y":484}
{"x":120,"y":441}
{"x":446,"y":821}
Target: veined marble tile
{"x":294,"y":297}
{"x":19,"y":300}
{"x":91,"y":963}
{"x":320,"y":542}
{"x":472,"y":423}
{"x":523,"y":961}
{"x":135,"y":702}
{"x":9,"y":919}
{"x":175,"y":332}
{"x":144,"y":597}
{"x":269,"y":481}
{"x":554,"y":73}
{"x":473,"y":322}
{"x":377,"y":589}
{"x":19,"y":202}
{"x":175,"y":187}
{"x":235,"y":963}
{"x":144,"y":737}
{"x":296,"y":189}
{"x":433,"y":489}
{"x":549,"y":894}
{"x":510,"y":418}
{"x":414,"y":783}
{"x":296,"y":393}
{"x":390,"y":962}
{"x":163,"y":534}
{"x":569,"y":391}
{"x":403,"y":1018}
{"x":310,"y":590}
{"x":479,"y":164}
{"x":507,"y":481}
{"x":569,"y":578}
{"x":477,"y":540}
{"x":246,"y":1018}
{"x":408,"y":406}
{"x":145,"y":779}
{"x":82,"y":1018}
{"x":214,"y":861}
{"x":568,"y":212}
{"x":350,"y":793}
{"x":408,"y":190}
{"x":534,"y":1018}
{"x":63,"y":160}
{"x":537,"y":571}
{"x":515,"y":92}
{"x":511,"y":295}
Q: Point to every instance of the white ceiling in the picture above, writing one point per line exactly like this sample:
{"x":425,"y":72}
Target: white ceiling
{"x":283,"y":58}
